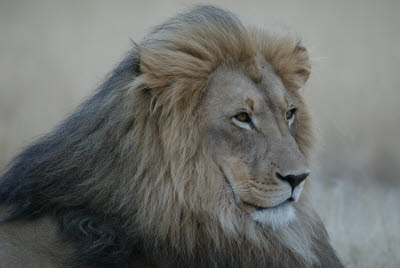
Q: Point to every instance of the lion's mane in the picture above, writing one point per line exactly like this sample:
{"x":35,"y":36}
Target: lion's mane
{"x":127,"y":174}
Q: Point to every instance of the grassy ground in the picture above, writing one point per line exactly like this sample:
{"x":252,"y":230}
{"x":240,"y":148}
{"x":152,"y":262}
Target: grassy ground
{"x":362,"y":220}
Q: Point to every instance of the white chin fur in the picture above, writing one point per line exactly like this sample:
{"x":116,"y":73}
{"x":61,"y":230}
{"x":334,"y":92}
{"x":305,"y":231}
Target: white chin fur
{"x":275,"y":217}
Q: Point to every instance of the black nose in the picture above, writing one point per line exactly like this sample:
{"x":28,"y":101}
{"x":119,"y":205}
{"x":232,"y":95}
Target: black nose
{"x":293,"y":180}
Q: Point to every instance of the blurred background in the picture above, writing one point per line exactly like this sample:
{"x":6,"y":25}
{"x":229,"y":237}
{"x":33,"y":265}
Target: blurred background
{"x":53,"y":54}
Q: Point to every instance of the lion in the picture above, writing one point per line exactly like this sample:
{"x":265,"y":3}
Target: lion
{"x":194,"y":153}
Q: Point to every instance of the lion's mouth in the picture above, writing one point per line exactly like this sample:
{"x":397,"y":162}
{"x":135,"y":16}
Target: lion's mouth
{"x":260,"y":208}
{"x":242,"y":203}
{"x":273,"y":216}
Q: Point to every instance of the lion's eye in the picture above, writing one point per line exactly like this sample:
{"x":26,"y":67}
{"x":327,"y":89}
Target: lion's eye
{"x":243,"y":120}
{"x":290,"y":115}
{"x":243,"y":117}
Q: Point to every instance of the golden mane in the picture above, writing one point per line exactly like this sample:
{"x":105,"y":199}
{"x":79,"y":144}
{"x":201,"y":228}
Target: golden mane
{"x":140,"y":161}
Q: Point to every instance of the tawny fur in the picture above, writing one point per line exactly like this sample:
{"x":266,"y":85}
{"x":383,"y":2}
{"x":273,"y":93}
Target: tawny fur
{"x":142,"y":164}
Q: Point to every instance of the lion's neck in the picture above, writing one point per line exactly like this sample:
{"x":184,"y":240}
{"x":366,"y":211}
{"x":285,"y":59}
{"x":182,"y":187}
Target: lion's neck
{"x":206,"y":243}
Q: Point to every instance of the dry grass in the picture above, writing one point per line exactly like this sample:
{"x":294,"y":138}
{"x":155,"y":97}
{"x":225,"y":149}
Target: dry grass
{"x":362,"y":220}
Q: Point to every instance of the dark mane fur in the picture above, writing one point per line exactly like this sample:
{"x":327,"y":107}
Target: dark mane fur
{"x":42,"y":179}
{"x":81,"y":172}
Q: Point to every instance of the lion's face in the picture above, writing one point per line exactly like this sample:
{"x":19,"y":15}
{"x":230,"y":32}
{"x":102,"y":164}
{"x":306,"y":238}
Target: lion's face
{"x":251,"y":133}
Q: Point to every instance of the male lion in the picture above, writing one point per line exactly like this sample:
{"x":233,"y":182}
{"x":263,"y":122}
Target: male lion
{"x":194,"y":153}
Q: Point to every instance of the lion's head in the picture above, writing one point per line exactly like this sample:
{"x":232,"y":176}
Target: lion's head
{"x":251,"y":135}
{"x":196,"y":148}
{"x":231,"y":92}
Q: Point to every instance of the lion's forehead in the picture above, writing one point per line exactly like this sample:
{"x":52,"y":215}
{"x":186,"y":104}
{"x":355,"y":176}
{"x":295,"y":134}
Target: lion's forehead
{"x":232,"y":88}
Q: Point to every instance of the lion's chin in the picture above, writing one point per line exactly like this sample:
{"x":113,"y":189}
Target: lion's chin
{"x":275,"y":217}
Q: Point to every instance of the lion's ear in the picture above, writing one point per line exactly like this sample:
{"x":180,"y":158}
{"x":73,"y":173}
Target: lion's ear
{"x":302,"y":67}
{"x":296,"y":69}
{"x":290,"y":60}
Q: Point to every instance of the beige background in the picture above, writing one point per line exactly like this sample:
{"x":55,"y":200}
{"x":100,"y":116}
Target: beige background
{"x":54,"y":53}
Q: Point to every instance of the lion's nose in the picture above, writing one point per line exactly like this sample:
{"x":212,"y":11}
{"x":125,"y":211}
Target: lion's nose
{"x":293,"y":180}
